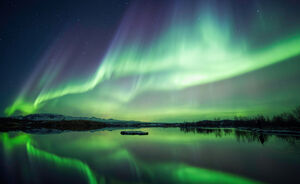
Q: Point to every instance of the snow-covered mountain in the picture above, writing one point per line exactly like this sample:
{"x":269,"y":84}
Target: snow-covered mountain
{"x":59,"y":117}
{"x":43,"y":117}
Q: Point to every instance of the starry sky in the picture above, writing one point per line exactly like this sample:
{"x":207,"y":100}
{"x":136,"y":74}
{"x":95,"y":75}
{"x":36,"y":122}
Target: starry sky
{"x":169,"y":60}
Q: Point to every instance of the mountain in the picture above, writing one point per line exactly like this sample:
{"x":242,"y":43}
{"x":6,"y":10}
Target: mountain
{"x":59,"y":117}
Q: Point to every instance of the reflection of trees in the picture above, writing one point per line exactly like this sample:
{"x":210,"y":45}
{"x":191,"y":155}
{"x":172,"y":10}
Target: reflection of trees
{"x":227,"y":131}
{"x":247,"y":136}
{"x":240,"y":135}
{"x":217,"y":132}
{"x":289,"y":139}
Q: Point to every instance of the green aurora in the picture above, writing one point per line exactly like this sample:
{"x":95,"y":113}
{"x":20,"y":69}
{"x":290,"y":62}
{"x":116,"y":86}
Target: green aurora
{"x":189,"y":51}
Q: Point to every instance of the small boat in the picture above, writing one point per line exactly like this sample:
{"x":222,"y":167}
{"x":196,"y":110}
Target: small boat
{"x":134,"y":133}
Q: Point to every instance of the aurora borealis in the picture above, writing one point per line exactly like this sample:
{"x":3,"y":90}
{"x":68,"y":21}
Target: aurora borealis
{"x":168,"y":61}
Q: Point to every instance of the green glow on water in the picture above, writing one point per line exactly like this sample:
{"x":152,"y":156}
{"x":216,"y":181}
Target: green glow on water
{"x":189,"y":174}
{"x":24,"y":139}
{"x":11,"y":142}
{"x":62,"y":162}
{"x":112,"y":158}
{"x":182,"y":173}
{"x":172,"y":172}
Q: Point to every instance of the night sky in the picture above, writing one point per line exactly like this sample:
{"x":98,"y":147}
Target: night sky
{"x":150,"y":60}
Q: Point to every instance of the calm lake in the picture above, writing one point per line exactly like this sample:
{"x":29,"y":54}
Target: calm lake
{"x":166,"y":155}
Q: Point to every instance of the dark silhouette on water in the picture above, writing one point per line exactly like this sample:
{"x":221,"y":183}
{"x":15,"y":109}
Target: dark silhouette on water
{"x":133,"y":133}
{"x":240,"y":135}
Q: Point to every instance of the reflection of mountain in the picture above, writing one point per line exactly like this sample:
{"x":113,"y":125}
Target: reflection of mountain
{"x":241,"y":135}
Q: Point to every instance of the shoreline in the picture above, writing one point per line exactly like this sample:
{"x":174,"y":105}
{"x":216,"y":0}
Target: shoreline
{"x":14,"y":124}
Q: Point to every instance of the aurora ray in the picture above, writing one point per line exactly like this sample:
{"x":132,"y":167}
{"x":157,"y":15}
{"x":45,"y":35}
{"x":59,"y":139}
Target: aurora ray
{"x":185,"y":49}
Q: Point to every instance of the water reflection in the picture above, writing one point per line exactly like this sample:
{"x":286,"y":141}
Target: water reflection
{"x":24,"y":139}
{"x":165,"y":156}
{"x":240,"y":135}
{"x":61,"y":161}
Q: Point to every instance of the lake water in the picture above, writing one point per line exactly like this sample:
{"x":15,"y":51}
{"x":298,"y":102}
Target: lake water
{"x":166,"y":155}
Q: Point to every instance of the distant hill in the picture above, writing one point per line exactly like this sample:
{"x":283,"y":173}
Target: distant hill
{"x":59,"y":117}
